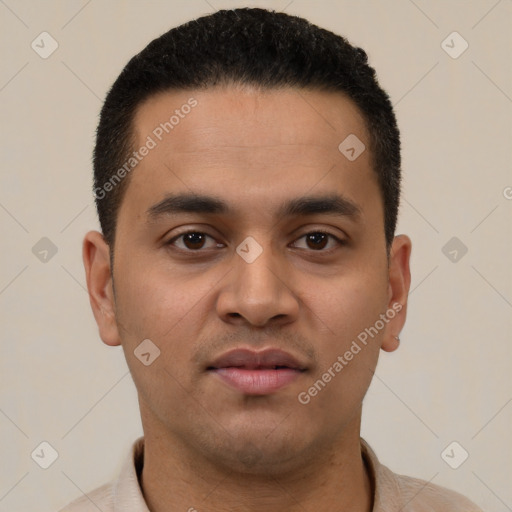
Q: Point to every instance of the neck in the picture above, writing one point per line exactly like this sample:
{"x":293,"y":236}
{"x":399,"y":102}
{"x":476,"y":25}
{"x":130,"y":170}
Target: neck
{"x":175,"y":477}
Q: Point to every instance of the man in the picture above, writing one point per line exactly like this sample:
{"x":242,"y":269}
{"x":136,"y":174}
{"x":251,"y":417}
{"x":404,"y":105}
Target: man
{"x":247,"y":179}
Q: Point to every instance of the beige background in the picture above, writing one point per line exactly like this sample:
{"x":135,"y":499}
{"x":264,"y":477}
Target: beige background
{"x":450,"y":380}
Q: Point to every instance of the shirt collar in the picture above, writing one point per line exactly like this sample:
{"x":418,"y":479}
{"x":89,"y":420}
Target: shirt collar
{"x":386,"y":490}
{"x":127,"y":490}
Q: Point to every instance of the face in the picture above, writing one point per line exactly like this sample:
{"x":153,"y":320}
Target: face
{"x":250,"y":250}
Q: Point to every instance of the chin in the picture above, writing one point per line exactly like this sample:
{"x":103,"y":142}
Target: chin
{"x":265,"y":450}
{"x":261,"y":459}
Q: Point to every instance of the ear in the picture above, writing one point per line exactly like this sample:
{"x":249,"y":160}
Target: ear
{"x":96,"y":257}
{"x":398,"y":289}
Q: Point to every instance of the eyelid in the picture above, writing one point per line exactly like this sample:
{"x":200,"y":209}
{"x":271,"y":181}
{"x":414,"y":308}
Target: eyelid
{"x":334,"y":232}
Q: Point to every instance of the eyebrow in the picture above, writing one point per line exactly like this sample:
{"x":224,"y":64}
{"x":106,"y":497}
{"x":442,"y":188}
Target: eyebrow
{"x":332,"y":204}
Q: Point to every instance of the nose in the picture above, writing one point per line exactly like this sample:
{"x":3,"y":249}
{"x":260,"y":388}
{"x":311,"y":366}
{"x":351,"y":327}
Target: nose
{"x":258,"y":291}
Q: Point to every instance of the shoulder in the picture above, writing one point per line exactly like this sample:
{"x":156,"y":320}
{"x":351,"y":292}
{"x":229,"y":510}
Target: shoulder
{"x":100,"y":498}
{"x":394,"y":492}
{"x":421,"y":496}
{"x":121,"y":493}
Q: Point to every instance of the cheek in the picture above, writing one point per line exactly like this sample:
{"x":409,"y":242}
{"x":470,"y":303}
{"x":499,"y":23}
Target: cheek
{"x":172,"y":310}
{"x":348,"y":313}
{"x":350,"y":303}
{"x":168,"y":309}
{"x":158,"y":302}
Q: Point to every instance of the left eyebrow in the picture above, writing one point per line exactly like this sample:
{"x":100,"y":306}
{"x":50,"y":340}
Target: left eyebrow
{"x":333,"y":204}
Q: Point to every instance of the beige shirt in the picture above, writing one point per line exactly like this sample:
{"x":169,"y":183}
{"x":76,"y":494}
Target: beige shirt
{"x":393,"y":493}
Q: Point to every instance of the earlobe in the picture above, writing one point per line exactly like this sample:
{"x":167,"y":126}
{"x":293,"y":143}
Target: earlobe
{"x":398,"y":287}
{"x":96,"y":258}
{"x":391,"y":343}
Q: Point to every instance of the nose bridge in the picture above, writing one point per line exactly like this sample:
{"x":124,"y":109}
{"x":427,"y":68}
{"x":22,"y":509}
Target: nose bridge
{"x":256,"y":269}
{"x":257,"y":292}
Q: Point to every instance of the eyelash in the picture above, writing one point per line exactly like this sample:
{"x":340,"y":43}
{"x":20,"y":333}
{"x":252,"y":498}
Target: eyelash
{"x":338,"y":240}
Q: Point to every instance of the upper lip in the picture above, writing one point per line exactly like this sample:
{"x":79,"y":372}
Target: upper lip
{"x":264,"y":359}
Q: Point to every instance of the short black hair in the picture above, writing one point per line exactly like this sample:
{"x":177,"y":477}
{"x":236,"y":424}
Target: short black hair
{"x":246,"y":46}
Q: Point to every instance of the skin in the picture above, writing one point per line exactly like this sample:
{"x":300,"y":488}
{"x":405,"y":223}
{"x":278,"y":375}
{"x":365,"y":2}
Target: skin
{"x":208,"y":445}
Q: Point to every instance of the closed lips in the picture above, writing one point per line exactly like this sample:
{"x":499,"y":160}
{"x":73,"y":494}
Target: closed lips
{"x":268,"y":359}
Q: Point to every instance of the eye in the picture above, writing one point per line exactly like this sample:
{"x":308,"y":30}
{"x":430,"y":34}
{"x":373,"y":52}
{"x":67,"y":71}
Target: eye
{"x":193,"y":241}
{"x":319,"y":240}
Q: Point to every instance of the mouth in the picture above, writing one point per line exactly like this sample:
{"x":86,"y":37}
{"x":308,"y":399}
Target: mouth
{"x":257,"y":373}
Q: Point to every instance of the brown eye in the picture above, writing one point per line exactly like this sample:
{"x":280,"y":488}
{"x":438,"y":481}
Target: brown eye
{"x":318,"y":240}
{"x":193,"y":241}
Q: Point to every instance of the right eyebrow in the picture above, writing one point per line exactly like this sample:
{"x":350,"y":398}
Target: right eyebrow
{"x":186,"y":203}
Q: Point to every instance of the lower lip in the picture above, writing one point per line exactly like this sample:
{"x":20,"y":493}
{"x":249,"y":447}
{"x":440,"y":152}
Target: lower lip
{"x":257,"y":382}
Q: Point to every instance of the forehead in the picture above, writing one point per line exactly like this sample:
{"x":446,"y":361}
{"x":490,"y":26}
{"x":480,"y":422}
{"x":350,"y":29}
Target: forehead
{"x":247,"y":144}
{"x":232,"y":116}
